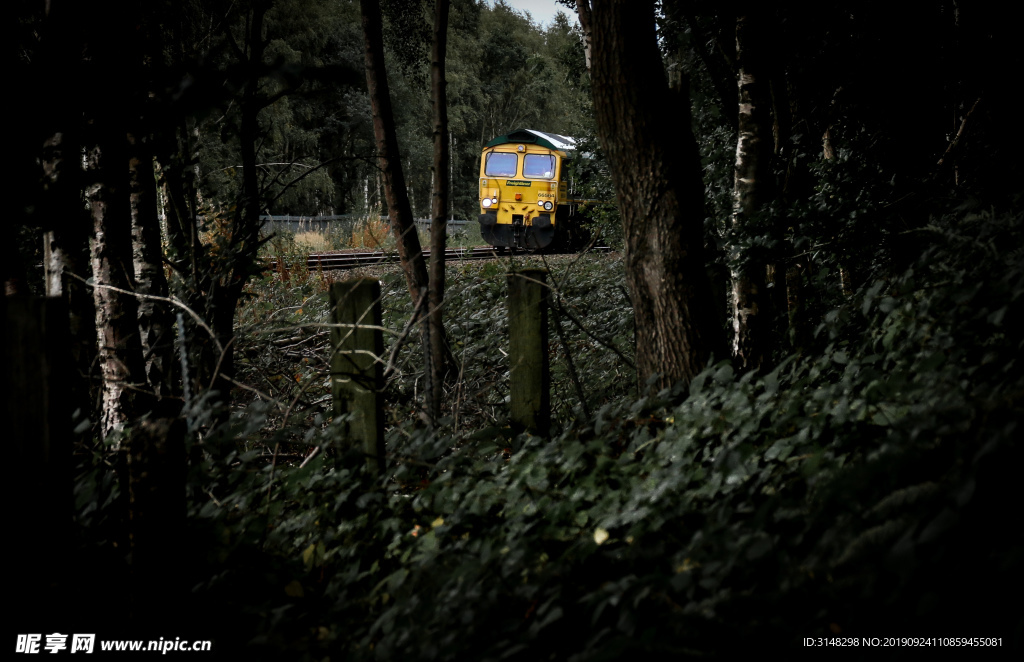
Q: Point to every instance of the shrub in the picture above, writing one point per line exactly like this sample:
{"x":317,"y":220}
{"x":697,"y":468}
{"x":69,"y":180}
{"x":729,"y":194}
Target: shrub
{"x":862,"y":488}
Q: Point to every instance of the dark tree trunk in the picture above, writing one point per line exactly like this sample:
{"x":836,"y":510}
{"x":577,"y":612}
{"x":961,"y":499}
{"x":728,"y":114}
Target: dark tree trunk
{"x":753,"y":188}
{"x":64,"y":221}
{"x":439,"y":205}
{"x":790,"y":294}
{"x":656,"y":169}
{"x":228,"y":277}
{"x":65,"y":228}
{"x":66,"y":258}
{"x":226,"y":291}
{"x":15,"y":281}
{"x":399,"y":209}
{"x":722,"y":75}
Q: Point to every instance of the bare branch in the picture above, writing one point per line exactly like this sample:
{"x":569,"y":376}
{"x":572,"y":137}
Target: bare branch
{"x":171,"y":300}
{"x":955,"y":143}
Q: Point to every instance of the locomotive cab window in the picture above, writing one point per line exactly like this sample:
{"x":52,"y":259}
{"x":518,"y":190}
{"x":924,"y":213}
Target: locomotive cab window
{"x":501,"y":164}
{"x":539,"y":166}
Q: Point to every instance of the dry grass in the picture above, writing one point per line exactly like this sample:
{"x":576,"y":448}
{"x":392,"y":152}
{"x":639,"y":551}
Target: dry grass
{"x":311,"y":241}
{"x":371,"y":234}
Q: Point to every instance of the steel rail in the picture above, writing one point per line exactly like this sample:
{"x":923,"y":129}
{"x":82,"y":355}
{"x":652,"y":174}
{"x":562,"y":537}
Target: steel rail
{"x":352,"y":260}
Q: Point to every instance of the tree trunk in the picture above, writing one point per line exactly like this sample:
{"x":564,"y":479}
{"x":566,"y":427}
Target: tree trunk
{"x":722,"y":76}
{"x":395,"y":191}
{"x":439,"y":205}
{"x":117,"y":330}
{"x":796,"y":184}
{"x":64,"y":221}
{"x":244,"y":240}
{"x":185,"y":252}
{"x":65,"y":230}
{"x":218,"y":277}
{"x":753,"y":188}
{"x":156,"y":324}
{"x":655,"y":166}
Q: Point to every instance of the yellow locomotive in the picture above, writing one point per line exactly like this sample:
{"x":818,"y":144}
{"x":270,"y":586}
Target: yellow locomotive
{"x":525,"y":196}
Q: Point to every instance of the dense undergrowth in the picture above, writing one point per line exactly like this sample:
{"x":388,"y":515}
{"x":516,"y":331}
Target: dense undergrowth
{"x":865,"y":487}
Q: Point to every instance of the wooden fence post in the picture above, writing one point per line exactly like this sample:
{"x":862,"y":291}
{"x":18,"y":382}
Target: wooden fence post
{"x":357,"y":375}
{"x":528,"y":350}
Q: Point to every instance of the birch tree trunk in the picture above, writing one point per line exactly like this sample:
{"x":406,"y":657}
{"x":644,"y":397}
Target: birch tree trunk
{"x":156,"y":325}
{"x":752,"y":189}
{"x":656,"y":170}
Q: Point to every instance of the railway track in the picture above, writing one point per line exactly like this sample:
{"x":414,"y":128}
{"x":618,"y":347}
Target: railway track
{"x":343,"y":261}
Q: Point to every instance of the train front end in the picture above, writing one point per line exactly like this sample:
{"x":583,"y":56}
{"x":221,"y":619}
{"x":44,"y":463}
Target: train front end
{"x":522,"y":186}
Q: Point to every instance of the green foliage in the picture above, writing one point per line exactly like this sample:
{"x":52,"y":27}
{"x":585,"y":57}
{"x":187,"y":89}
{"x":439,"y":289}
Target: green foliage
{"x":859,"y":488}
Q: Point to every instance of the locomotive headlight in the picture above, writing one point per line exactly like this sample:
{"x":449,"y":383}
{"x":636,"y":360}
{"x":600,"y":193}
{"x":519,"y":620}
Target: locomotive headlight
{"x":486,"y":203}
{"x":548,"y":205}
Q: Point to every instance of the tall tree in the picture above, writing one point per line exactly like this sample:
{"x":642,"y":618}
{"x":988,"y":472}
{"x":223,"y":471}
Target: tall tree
{"x":656,"y":169}
{"x":117,"y":330}
{"x":439,"y":206}
{"x":753,"y":188}
{"x":243,"y":241}
{"x":155,"y":321}
{"x":399,"y":208}
{"x":156,"y":331}
{"x":62,"y":217}
{"x":238,"y":71}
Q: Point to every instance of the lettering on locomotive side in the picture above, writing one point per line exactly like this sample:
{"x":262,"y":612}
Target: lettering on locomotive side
{"x":517,"y":182}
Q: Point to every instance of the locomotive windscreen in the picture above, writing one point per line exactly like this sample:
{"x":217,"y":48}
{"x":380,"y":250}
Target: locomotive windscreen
{"x":539,"y":166}
{"x":501,"y":164}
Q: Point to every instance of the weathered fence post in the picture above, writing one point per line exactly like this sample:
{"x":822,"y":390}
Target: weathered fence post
{"x":357,"y":374}
{"x":528,"y":350}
